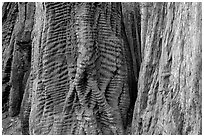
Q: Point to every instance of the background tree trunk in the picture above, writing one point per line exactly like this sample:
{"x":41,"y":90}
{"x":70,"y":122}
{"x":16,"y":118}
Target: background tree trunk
{"x":83,"y":68}
{"x":169,"y":87}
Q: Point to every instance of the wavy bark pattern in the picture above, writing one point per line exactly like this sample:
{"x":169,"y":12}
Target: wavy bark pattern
{"x":74,"y":68}
{"x":79,"y":70}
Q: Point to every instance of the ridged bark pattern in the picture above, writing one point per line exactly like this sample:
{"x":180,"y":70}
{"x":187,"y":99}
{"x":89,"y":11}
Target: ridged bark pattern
{"x":79,"y":75}
{"x":101,"y":68}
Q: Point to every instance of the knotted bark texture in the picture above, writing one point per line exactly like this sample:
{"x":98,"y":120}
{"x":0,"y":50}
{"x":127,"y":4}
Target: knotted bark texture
{"x":169,"y":86}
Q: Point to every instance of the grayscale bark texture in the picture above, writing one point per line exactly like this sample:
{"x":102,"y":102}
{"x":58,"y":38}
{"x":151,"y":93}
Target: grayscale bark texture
{"x":101,"y":68}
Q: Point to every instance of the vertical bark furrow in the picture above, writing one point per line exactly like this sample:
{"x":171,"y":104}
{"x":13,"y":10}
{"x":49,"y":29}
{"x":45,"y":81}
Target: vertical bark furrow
{"x":22,"y":56}
{"x":9,"y":18}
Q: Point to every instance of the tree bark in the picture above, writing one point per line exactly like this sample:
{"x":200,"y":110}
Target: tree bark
{"x":169,"y":87}
{"x":102,"y":68}
{"x":77,"y":79}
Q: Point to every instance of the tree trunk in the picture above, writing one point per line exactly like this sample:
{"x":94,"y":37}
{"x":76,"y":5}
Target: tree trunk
{"x":102,"y":68}
{"x":169,"y":87}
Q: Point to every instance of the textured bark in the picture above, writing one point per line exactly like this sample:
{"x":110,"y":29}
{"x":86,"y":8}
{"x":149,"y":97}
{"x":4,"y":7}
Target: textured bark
{"x":102,"y":68}
{"x":9,"y":16}
{"x":77,"y":79}
{"x":17,"y":27}
{"x":169,"y":88}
